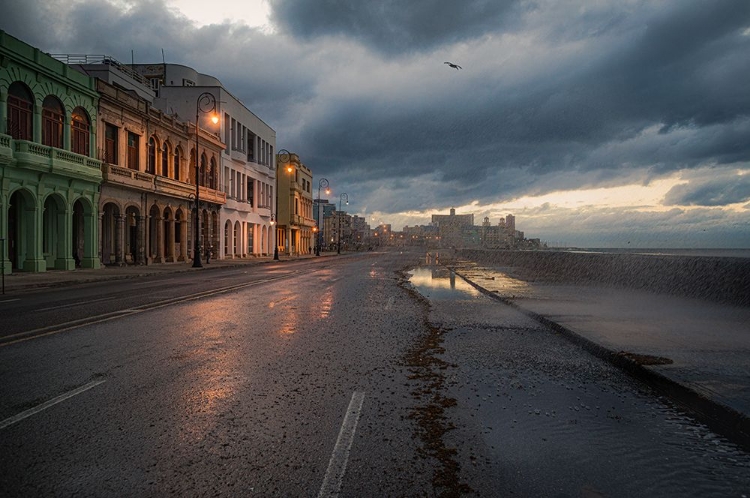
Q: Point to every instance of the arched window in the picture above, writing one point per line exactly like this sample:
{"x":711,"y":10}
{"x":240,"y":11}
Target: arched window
{"x":177,"y":157}
{"x":20,"y":112}
{"x":203,"y":170}
{"x":212,"y":174}
{"x":164,"y":160}
{"x":151,"y":163}
{"x":52,"y":122}
{"x":81,"y":127}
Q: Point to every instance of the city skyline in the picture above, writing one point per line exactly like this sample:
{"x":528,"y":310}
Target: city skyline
{"x":605,"y":126}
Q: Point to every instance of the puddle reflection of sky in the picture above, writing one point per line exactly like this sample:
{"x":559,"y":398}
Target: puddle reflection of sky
{"x":440,"y":283}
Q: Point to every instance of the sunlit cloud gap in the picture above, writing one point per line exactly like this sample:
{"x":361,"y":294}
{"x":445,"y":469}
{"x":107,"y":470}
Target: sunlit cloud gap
{"x":253,"y":13}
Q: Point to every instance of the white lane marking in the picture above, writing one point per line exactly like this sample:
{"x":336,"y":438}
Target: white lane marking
{"x":80,"y":303}
{"x":10,"y":300}
{"x":31,"y":411}
{"x":389,"y":304}
{"x":340,"y":457}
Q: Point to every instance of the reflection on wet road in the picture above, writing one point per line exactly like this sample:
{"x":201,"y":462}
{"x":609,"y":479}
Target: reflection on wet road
{"x":440,"y":282}
{"x":245,"y":391}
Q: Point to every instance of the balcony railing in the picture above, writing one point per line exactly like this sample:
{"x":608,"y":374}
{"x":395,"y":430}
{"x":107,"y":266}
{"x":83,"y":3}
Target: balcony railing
{"x":52,"y":158}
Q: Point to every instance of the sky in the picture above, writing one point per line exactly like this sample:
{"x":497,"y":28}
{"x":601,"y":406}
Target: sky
{"x":597,"y":123}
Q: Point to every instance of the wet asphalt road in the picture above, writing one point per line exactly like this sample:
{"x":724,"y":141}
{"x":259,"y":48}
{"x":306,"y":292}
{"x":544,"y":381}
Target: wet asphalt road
{"x":295,"y":379}
{"x":240,"y":393}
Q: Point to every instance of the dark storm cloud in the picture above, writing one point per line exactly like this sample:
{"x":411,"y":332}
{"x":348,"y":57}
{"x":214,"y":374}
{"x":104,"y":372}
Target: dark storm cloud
{"x":714,"y":190}
{"x":554,"y":95}
{"x":247,"y":62}
{"x":683,"y":69}
{"x":394,"y":27}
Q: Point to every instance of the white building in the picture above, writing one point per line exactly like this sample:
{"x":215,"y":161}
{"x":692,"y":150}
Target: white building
{"x":248,"y":171}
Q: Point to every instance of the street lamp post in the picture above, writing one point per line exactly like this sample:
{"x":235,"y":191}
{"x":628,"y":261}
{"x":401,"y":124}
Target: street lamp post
{"x":341,"y":198}
{"x":288,"y":155}
{"x":206,"y":103}
{"x":322,"y":183}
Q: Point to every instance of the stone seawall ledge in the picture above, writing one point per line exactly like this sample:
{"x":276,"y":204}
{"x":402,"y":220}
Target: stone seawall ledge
{"x":719,"y":279}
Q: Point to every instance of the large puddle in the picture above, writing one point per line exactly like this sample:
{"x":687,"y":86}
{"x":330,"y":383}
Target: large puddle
{"x":440,"y":283}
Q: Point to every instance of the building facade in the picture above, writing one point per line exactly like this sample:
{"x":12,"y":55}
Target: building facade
{"x":247,"y":172}
{"x":323,"y":210}
{"x":451,"y":227}
{"x":49,"y":177}
{"x":360,"y":232}
{"x":296,"y":223}
{"x":147,"y":202}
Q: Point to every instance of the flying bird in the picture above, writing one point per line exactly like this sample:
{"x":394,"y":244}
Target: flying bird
{"x":454,"y":66}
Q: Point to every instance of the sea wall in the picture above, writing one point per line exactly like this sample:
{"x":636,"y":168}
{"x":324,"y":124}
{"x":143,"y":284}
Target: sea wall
{"x":722,"y":279}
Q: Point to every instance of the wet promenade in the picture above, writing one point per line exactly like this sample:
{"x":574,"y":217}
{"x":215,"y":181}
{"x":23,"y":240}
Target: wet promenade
{"x":696,"y":351}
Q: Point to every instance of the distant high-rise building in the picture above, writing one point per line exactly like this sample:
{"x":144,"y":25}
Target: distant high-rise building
{"x":451,"y":227}
{"x":510,"y":223}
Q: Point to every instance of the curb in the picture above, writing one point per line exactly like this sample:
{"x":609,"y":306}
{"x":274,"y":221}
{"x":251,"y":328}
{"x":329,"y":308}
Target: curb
{"x":161,"y":270}
{"x":722,"y":419}
{"x":21,"y":287}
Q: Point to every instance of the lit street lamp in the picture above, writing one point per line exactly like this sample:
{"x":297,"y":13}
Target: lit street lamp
{"x":288,"y":155}
{"x":322,"y":183}
{"x":206,"y":103}
{"x":341,"y":197}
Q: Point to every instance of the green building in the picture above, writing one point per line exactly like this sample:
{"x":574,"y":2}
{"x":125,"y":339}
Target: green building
{"x":49,"y":179}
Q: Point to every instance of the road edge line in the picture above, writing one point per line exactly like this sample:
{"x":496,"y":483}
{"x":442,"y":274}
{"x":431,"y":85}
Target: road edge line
{"x":340,"y":456}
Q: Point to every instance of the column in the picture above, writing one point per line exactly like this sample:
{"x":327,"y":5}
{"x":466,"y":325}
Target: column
{"x":3,"y":129}
{"x":183,"y":240}
{"x":65,"y":235}
{"x":36,"y":127}
{"x":120,"y":240}
{"x":140,"y":246}
{"x":34,"y":261}
{"x":66,"y":130}
{"x":159,"y":240}
{"x":90,"y":231}
{"x":170,"y":240}
{"x":5,"y":265}
{"x":104,"y":256}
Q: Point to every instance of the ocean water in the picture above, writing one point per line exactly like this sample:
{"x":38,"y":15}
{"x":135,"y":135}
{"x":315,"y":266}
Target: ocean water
{"x":721,"y":275}
{"x":718,"y":253}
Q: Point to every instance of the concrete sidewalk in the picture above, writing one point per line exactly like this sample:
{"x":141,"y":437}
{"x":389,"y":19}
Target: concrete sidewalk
{"x":20,"y":282}
{"x":694,"y":351}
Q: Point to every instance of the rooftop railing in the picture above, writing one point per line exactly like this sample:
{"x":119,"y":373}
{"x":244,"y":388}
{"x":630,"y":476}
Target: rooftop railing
{"x":74,"y":59}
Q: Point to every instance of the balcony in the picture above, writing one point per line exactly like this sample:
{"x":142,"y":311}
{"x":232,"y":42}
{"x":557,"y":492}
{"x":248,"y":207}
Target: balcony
{"x":211,"y":195}
{"x":173,"y":187}
{"x":128,"y":177}
{"x":43,"y":158}
{"x":301,"y":221}
{"x":145,"y":181}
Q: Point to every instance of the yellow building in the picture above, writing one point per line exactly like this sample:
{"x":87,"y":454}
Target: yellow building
{"x":295,"y":221}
